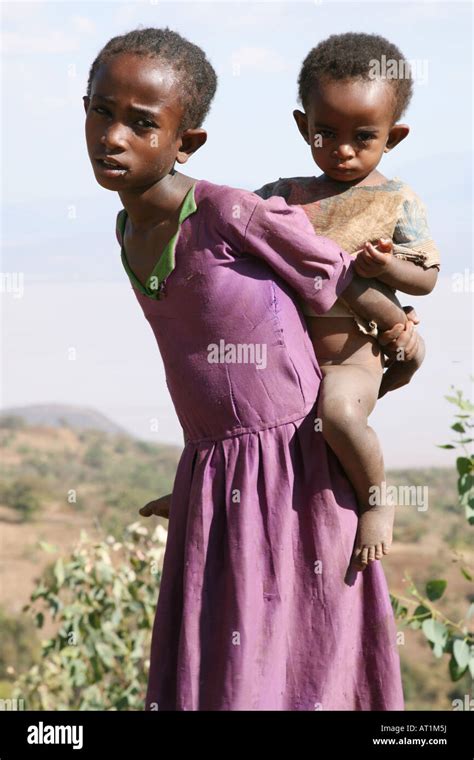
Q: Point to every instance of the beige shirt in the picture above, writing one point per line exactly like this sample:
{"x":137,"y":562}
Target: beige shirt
{"x":354,"y":215}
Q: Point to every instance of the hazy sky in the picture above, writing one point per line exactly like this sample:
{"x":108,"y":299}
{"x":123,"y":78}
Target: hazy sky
{"x":58,"y":224}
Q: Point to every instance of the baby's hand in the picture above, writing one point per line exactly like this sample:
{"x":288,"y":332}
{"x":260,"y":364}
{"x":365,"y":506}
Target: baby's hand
{"x":372,"y":261}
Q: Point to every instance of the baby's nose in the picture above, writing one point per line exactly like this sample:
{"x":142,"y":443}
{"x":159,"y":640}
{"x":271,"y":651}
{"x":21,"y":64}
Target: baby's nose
{"x":344,"y":151}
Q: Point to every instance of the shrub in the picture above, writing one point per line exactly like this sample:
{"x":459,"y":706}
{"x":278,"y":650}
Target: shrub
{"x":102,"y":600}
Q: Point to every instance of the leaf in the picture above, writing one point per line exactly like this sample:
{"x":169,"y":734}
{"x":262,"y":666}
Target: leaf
{"x":470,"y":513}
{"x":455,"y":671}
{"x":461,"y":653}
{"x":458,"y":427}
{"x":435,"y":631}
{"x":445,"y":446}
{"x":59,"y":572}
{"x":466,"y":574}
{"x":435,"y":589}
{"x":422,"y":613}
{"x":464,"y":483}
{"x":471,"y":662}
{"x":105,"y":653}
{"x":39,"y":620}
{"x":464,"y":465}
{"x":438,"y":649}
{"x":49,"y":548}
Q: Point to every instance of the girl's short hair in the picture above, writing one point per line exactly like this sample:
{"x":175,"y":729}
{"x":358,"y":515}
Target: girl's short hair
{"x":197,"y":78}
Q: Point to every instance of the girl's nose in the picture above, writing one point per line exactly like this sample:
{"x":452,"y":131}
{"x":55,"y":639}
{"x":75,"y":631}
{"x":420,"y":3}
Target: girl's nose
{"x":113,"y":137}
{"x":344,"y":151}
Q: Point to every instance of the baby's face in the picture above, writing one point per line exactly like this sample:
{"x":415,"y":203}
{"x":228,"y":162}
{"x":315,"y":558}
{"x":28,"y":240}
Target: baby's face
{"x":132,"y":119}
{"x":348,"y":126}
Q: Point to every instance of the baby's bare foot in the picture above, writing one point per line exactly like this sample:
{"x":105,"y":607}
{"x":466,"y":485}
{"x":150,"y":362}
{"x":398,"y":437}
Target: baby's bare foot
{"x":374,"y":535}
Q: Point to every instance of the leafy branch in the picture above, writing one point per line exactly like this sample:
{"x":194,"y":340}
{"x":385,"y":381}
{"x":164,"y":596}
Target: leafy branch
{"x":417,"y":611}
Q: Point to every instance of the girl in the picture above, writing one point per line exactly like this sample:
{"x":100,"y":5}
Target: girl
{"x":350,"y":120}
{"x":258,"y":607}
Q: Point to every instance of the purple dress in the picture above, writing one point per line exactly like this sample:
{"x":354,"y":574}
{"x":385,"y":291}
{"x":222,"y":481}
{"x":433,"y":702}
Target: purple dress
{"x":257,"y":608}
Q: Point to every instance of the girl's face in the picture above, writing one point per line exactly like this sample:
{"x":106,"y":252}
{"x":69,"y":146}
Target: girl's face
{"x":132,"y":123}
{"x":349,"y":126}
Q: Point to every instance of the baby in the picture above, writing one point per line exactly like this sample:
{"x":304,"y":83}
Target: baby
{"x":350,"y":119}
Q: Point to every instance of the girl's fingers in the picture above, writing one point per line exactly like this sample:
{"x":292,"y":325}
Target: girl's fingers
{"x":391,"y":335}
{"x":411,"y":347}
{"x":411,"y":314}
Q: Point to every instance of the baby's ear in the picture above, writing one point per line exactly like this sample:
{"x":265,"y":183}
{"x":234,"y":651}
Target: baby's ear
{"x":397,"y":133}
{"x":302,"y":124}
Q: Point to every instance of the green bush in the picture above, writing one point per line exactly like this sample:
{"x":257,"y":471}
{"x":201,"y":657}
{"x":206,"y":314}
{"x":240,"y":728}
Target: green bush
{"x":102,"y":600}
{"x":419,"y":610}
{"x":19,"y":644}
{"x":23,"y":496}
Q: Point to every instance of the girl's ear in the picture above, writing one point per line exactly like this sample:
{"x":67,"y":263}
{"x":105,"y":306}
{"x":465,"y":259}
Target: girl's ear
{"x":395,"y":136}
{"x":191,"y":141}
{"x":302,"y":124}
{"x":86,"y":100}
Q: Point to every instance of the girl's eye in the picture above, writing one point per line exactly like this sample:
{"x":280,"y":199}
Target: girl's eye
{"x":365,"y":136}
{"x":145,"y":124}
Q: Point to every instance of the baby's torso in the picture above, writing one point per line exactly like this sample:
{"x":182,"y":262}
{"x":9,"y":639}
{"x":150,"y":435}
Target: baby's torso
{"x":350,"y":217}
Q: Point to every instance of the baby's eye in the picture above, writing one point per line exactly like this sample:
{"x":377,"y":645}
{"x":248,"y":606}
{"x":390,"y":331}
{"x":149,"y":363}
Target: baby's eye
{"x":100,"y":110}
{"x":326,"y":134}
{"x":365,"y":136}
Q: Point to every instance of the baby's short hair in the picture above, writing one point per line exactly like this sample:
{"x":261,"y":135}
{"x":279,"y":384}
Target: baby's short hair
{"x":352,"y":56}
{"x":197,"y":78}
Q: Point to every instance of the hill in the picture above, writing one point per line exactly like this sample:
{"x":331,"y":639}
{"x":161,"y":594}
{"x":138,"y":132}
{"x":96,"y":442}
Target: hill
{"x":57,"y":480}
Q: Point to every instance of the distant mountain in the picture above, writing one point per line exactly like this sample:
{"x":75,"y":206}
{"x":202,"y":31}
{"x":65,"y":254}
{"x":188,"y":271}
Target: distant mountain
{"x":63,"y":415}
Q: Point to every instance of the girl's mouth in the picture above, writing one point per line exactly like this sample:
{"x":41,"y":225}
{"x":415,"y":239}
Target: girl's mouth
{"x":110,"y":168}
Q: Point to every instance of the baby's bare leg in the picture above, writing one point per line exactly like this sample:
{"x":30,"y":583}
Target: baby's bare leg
{"x":399,"y":373}
{"x":348,"y":395}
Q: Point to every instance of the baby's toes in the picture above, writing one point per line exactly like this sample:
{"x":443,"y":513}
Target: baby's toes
{"x":371,"y":554}
{"x":357,"y":559}
{"x":378,"y":551}
{"x":386,"y":547}
{"x":364,"y":556}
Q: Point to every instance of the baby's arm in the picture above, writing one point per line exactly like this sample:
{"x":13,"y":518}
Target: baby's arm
{"x":379,"y":262}
{"x":410,"y":261}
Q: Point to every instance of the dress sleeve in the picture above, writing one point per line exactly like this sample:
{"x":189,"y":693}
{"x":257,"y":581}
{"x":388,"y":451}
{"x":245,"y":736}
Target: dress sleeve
{"x":316,"y":267}
{"x":412,"y":239}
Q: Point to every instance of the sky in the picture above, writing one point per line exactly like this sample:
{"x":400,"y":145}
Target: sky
{"x":76,"y":334}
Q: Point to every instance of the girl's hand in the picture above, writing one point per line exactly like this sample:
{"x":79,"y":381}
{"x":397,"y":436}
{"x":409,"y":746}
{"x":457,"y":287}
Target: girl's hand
{"x":372,"y":261}
{"x":401,"y":342}
{"x":411,"y":314}
{"x":160,"y":507}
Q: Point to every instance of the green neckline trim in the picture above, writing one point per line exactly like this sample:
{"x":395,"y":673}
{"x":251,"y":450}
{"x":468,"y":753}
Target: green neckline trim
{"x":166,"y":263}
